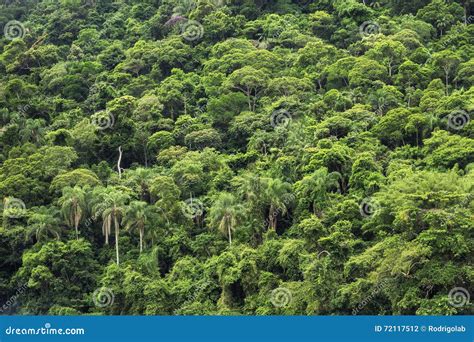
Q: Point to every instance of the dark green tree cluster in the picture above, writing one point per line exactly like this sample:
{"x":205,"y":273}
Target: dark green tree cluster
{"x":231,"y":157}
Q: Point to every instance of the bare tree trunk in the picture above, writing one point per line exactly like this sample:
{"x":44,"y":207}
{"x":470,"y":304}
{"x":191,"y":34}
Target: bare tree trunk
{"x":77,"y":219}
{"x":230,"y":234}
{"x":272,"y":218}
{"x":119,"y":161}
{"x":117,"y":240}
{"x":106,"y":229}
{"x":141,"y":241}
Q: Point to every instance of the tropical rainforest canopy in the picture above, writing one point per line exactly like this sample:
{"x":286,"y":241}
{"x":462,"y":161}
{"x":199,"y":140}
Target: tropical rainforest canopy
{"x":227,"y":157}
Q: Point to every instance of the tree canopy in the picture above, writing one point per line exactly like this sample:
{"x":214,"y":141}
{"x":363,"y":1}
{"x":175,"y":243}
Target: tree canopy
{"x":237,"y":157}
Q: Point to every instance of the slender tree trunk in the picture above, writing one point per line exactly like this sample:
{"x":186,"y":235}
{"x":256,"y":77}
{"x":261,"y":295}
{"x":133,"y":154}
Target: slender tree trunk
{"x":106,"y":229}
{"x":229,"y":232}
{"x":272,"y":218}
{"x":117,"y":239}
{"x":141,"y":240}
{"x":119,"y":161}
{"x":77,"y":219}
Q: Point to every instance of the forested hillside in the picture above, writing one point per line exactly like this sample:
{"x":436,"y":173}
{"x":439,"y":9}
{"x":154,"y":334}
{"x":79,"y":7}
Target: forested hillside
{"x":228,"y":157}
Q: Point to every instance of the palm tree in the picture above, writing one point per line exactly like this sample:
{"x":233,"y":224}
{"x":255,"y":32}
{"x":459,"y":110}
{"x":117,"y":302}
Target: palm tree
{"x":137,"y":215}
{"x":32,"y":130}
{"x":277,"y":194}
{"x":226,"y":214}
{"x":249,"y":187}
{"x":73,"y":206}
{"x":110,"y":204}
{"x":43,"y":222}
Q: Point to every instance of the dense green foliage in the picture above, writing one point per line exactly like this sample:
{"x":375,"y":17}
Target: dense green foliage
{"x":284,"y":157}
